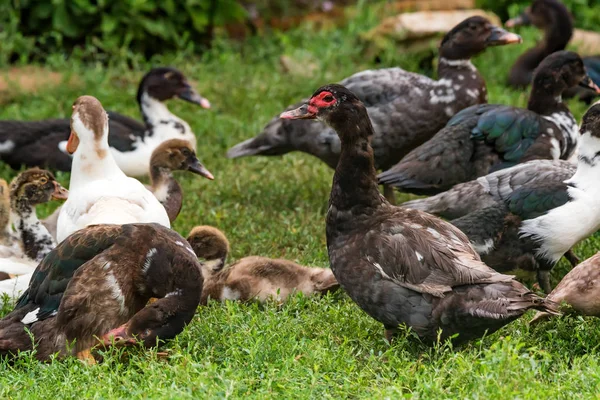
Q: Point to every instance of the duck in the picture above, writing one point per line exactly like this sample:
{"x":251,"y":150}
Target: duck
{"x":100,"y":193}
{"x":577,"y":292}
{"x":555,"y":19}
{"x":406,"y":108}
{"x":404,"y":267}
{"x":31,"y":241}
{"x":252,"y":278}
{"x":43,"y":143}
{"x":539,"y":222}
{"x":485,"y":138}
{"x":93,"y":289}
{"x":173,"y":155}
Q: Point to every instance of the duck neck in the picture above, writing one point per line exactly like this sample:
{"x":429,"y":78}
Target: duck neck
{"x":35,"y":238}
{"x":167,"y":190}
{"x":93,"y":161}
{"x":154,"y":111}
{"x":587,"y":175}
{"x":463,"y":75}
{"x":557,"y":33}
{"x":545,"y":102}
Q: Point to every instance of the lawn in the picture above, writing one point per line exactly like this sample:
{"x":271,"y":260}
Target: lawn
{"x":309,"y":348}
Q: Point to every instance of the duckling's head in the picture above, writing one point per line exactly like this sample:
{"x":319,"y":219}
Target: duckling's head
{"x":35,"y":186}
{"x":541,"y":14}
{"x":472,"y":36}
{"x":165,"y":83}
{"x":591,"y":121}
{"x":560,"y":71}
{"x":89,"y":124}
{"x":178,"y":155}
{"x":211,"y":245}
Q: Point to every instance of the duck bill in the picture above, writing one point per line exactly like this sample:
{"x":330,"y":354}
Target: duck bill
{"x":72,"y":143}
{"x":117,"y":337}
{"x":520,"y":20}
{"x":588,"y":83}
{"x":197,"y":168}
{"x":500,"y":37}
{"x":189,"y":94}
{"x":302,"y":112}
{"x":60,"y":193}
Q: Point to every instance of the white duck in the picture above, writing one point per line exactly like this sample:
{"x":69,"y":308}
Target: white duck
{"x":100,"y":193}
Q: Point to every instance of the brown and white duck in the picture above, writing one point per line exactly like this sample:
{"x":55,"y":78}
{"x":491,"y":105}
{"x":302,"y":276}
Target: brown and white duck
{"x":252,"y":278}
{"x":42,"y":143}
{"x":93,"y":289}
{"x":31,"y":240}
{"x":406,"y":108}
{"x":538,"y":223}
{"x":555,"y":20}
{"x":484,"y":138}
{"x":401,"y":266}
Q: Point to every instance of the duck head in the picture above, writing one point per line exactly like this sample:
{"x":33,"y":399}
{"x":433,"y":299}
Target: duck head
{"x":210,"y":245}
{"x":165,"y":83}
{"x":89,"y":125}
{"x":560,"y":71}
{"x":472,"y":36}
{"x":543,"y":14}
{"x":178,"y":155}
{"x":588,"y":157}
{"x":35,"y":186}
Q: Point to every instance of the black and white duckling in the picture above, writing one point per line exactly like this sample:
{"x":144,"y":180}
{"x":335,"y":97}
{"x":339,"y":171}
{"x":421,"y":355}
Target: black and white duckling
{"x":252,"y":278}
{"x":93,"y":289}
{"x":555,"y":20}
{"x":539,"y":222}
{"x":406,"y":108}
{"x":42,"y":143}
{"x":484,"y":138}
{"x":173,"y":155}
{"x":402,"y":266}
{"x":578,"y":292}
{"x":29,"y":189}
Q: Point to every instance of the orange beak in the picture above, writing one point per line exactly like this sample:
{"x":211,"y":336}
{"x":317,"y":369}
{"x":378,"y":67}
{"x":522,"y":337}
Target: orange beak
{"x":72,"y":143}
{"x":60,"y":193}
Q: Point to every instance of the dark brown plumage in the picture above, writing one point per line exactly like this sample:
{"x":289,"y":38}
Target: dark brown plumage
{"x":404,"y":266}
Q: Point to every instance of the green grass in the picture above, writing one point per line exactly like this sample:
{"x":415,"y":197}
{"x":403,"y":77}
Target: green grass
{"x":308,"y":348}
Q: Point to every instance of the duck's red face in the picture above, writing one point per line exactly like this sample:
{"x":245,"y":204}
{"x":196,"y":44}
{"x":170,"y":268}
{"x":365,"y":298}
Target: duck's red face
{"x":317,"y":104}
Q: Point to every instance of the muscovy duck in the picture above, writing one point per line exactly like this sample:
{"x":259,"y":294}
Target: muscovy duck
{"x":488,"y":137}
{"x":404,"y":266}
{"x":93,"y":289}
{"x":539,"y":222}
{"x":406,"y":108}
{"x":554,"y":18}
{"x":41,"y":143}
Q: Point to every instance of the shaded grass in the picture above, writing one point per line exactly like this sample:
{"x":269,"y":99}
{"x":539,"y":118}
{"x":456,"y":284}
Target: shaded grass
{"x":309,"y":348}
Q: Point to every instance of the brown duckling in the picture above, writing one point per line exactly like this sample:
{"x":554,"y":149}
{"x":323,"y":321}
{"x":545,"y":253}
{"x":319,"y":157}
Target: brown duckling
{"x":252,"y":278}
{"x":93,"y":289}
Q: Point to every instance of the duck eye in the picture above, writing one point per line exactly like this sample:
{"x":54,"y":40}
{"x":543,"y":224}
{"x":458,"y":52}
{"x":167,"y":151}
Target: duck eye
{"x":43,"y":181}
{"x":473,"y":27}
{"x":185,"y":152}
{"x":328,"y":98}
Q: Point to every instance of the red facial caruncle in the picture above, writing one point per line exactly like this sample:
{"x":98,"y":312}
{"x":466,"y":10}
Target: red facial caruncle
{"x":322,"y":100}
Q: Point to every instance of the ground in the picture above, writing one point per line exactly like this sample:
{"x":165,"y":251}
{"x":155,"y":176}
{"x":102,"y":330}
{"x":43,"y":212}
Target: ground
{"x":309,"y":348}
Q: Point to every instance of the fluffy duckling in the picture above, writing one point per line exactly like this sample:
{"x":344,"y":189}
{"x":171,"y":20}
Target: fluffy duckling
{"x":173,"y":155}
{"x":252,"y":278}
{"x":401,"y":266}
{"x":93,"y":289}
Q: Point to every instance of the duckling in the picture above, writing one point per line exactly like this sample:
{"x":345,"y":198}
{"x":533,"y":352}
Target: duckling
{"x":252,"y":278}
{"x":92,"y":289}
{"x":173,"y":155}
{"x":402,"y":266}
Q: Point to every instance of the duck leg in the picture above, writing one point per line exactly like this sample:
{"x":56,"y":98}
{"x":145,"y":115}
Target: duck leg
{"x":572,"y":257}
{"x":543,"y":277}
{"x":87,"y":357}
{"x":389,"y":193}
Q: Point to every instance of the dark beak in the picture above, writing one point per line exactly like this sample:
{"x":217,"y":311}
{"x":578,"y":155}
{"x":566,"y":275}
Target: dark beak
{"x":60,"y":193}
{"x":588,"y":83}
{"x":189,"y":94}
{"x":301,"y":112}
{"x":197,"y":168}
{"x":499,"y":37}
{"x":519,"y":20}
{"x":118,"y":337}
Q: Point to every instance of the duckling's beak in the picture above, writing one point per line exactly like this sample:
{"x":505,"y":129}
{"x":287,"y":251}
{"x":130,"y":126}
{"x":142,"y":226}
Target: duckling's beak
{"x":588,"y":83}
{"x":189,"y":94}
{"x":519,"y":20}
{"x":500,"y":37}
{"x":60,"y":193}
{"x":303,"y":112}
{"x":118,"y":337}
{"x":72,"y":143}
{"x":197,"y":168}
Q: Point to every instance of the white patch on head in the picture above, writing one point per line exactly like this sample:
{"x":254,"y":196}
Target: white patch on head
{"x":568,"y":126}
{"x":83,"y":133}
{"x":31,"y":317}
{"x":148,"y":259}
{"x":230,"y":294}
{"x":117,"y":293}
{"x":473,"y":93}
{"x":7,"y":146}
{"x":485,"y":247}
{"x":419,"y":256}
